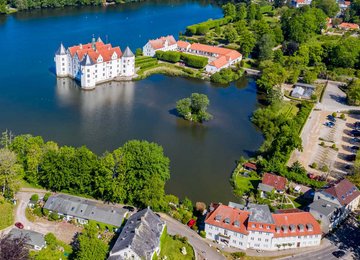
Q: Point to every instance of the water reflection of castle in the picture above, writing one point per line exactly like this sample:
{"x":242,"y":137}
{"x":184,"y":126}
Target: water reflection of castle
{"x":100,"y":106}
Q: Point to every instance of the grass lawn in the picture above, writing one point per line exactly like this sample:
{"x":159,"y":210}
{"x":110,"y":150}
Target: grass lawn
{"x":288,"y":109}
{"x":7,"y":214}
{"x":244,"y":184}
{"x":25,"y":184}
{"x":171,"y":247}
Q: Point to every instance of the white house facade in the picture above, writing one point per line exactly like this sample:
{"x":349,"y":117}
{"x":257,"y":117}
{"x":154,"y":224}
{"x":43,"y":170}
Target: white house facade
{"x":167,"y":43}
{"x":256,"y":228}
{"x":94,"y":63}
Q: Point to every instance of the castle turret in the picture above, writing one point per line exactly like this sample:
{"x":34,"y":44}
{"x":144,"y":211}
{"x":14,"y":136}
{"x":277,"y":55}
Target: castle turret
{"x":61,"y":62}
{"x":128,"y":61}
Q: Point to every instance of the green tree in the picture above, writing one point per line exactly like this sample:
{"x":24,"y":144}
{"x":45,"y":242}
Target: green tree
{"x":264,"y":47}
{"x":229,"y":9}
{"x":138,"y":52}
{"x":231,"y":34}
{"x":145,"y":169}
{"x":90,"y":247}
{"x":309,"y":76}
{"x":273,"y":75}
{"x":3,"y":9}
{"x":251,"y":12}
{"x":241,"y":11}
{"x":353,"y":93}
{"x":10,"y":172}
{"x":330,"y":7}
{"x":194,"y":108}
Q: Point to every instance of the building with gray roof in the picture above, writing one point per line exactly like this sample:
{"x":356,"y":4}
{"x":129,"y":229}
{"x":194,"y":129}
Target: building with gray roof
{"x":34,"y":239}
{"x":81,"y":209}
{"x":260,"y":213}
{"x":302,"y":90}
{"x":327,"y":212}
{"x":140,"y":237}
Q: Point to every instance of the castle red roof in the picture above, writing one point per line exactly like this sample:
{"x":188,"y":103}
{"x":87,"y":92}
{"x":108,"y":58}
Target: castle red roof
{"x":344,"y":191}
{"x":278,"y":182}
{"x":105,"y":50}
{"x":352,"y":26}
{"x":250,"y":165}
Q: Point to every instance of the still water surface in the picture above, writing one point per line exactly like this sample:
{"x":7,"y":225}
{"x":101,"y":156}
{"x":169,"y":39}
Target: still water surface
{"x":33,"y":101}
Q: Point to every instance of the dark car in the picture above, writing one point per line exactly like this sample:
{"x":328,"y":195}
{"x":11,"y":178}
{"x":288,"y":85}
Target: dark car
{"x":350,"y":157}
{"x":19,"y":225}
{"x":331,"y":118}
{"x":338,"y":253}
{"x":357,"y":125}
{"x":356,"y":148}
{"x":129,"y":208}
{"x":355,"y":140}
{"x":355,"y":133}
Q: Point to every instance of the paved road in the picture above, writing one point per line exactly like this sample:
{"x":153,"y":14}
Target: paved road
{"x":200,"y":245}
{"x":334,"y":99}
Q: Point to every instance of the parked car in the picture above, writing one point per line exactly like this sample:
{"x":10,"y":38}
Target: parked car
{"x":329,"y":124}
{"x":129,"y":208}
{"x":355,"y":148}
{"x":338,"y":253}
{"x":331,"y":118}
{"x":19,"y":225}
{"x":357,"y":125}
{"x":350,"y":157}
{"x":355,"y":140}
{"x":355,"y":133}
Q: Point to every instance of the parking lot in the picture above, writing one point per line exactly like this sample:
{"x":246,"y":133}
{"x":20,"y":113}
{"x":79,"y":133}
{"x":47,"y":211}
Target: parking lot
{"x":328,"y":144}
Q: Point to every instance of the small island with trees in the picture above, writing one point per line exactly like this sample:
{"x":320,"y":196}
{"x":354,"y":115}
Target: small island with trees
{"x":194,"y":108}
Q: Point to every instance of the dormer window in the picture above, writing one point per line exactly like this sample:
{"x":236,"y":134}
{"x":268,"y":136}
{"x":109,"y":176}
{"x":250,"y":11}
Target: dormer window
{"x":236,"y":223}
{"x":253,"y":225}
{"x":292,"y":228}
{"x":301,"y":227}
{"x":309,"y":227}
{"x":260,"y":226}
{"x":277,"y":229}
{"x":227,"y":220}
{"x":267,"y":227}
{"x":218,"y":217}
{"x":284,"y":228}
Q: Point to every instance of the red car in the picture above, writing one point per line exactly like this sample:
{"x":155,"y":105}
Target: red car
{"x":191,"y":223}
{"x":19,"y":225}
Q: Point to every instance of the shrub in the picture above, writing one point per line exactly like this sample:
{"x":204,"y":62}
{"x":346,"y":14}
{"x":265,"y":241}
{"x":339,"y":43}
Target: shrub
{"x":50,"y":240}
{"x":38,"y":212}
{"x":205,"y":26}
{"x":34,"y":197}
{"x":202,"y":234}
{"x":53,"y":216}
{"x":314,"y":165}
{"x":45,"y":212}
{"x":322,"y":144}
{"x":238,"y":254}
{"x":194,"y":61}
{"x":46,"y":196}
{"x":138,"y":52}
{"x":226,"y":76}
{"x":195,"y":228}
{"x":171,"y":56}
{"x":334,"y":114}
{"x":324,"y":168}
{"x":333,"y":146}
{"x":342,"y":116}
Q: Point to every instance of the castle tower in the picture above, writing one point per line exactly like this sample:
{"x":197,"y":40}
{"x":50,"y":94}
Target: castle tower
{"x":61,"y":62}
{"x":128,"y":62}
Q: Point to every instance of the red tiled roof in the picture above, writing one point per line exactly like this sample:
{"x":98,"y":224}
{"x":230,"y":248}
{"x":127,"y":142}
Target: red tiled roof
{"x":344,"y":191}
{"x":236,"y":218}
{"x":250,"y":165}
{"x":285,"y":221}
{"x":349,"y":25}
{"x":220,"y":62}
{"x":288,"y":210}
{"x":215,"y":50}
{"x":160,"y":42}
{"x":182,"y":44}
{"x":348,"y":3}
{"x":105,"y":50}
{"x":275,"y":181}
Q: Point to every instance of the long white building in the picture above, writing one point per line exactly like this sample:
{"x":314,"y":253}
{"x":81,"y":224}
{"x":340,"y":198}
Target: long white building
{"x":167,"y":43}
{"x":255,"y":227}
{"x":94,"y":63}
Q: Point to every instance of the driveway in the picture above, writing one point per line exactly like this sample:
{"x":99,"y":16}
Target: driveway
{"x":200,"y":245}
{"x":62,"y":230}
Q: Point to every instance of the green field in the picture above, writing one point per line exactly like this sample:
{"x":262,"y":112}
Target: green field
{"x":171,"y":247}
{"x":244,"y":184}
{"x":7,"y":214}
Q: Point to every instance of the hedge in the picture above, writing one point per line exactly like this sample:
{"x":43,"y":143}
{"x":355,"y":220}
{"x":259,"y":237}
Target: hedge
{"x":202,"y":28}
{"x":171,"y":56}
{"x":194,"y":61}
{"x":148,"y":64}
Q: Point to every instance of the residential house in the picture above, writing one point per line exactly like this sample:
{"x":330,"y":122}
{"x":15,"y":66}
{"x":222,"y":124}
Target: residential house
{"x":250,"y":166}
{"x":302,"y":90}
{"x":34,"y":240}
{"x":271,"y":182}
{"x":167,"y":43}
{"x":83,"y":210}
{"x":183,"y":46}
{"x":300,"y":3}
{"x":348,"y":26}
{"x":140,"y":237}
{"x":334,"y":203}
{"x":257,"y":228}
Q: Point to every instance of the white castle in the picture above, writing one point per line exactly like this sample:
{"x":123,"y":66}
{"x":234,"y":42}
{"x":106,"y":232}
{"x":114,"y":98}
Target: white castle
{"x":94,"y":63}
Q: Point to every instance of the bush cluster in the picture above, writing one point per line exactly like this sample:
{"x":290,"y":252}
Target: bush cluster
{"x":170,"y":56}
{"x":204,"y":27}
{"x":194,"y":61}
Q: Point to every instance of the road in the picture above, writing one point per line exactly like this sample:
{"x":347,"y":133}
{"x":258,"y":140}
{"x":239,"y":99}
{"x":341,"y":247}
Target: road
{"x":200,"y":245}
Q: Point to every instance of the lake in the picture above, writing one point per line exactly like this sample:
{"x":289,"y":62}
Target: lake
{"x":33,"y":101}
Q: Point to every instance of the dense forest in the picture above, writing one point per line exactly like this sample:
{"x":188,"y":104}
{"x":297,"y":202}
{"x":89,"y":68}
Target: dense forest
{"x":134,"y":173}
